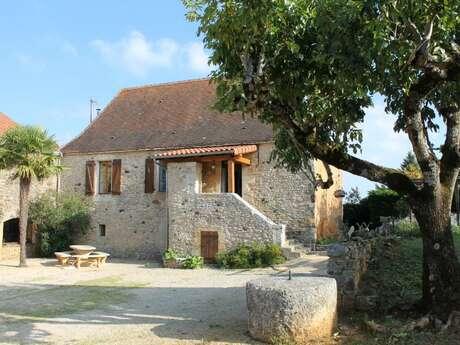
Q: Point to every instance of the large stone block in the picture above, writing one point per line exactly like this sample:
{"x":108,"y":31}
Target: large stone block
{"x":299,"y":310}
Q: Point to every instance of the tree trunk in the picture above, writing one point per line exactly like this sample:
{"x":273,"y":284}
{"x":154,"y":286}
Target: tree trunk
{"x":24,"y":188}
{"x":441,"y":268}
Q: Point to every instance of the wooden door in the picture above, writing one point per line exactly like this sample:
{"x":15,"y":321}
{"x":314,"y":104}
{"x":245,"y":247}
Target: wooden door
{"x":209,"y":245}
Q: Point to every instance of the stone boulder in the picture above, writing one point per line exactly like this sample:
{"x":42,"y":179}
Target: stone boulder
{"x":298,"y":310}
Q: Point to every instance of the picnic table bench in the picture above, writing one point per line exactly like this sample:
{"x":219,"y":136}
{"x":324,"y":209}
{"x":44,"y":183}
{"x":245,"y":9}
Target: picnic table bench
{"x":64,"y":258}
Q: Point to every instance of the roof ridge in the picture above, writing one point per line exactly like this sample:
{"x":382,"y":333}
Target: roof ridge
{"x":177,"y":82}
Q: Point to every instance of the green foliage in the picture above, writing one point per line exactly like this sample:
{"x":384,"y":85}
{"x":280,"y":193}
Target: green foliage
{"x":353,"y":197}
{"x":171,"y":254}
{"x":384,"y":202}
{"x":320,"y":63}
{"x":256,"y":255}
{"x":380,"y":202}
{"x":406,"y":229}
{"x":411,"y":167}
{"x":327,"y":240}
{"x":395,"y":275}
{"x":61,"y":219}
{"x":30,"y":152}
{"x":183,"y":261}
{"x":193,"y":262}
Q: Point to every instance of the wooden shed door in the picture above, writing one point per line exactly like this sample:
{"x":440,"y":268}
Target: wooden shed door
{"x":209,"y":245}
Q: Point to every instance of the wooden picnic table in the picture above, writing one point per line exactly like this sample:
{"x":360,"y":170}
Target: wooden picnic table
{"x":68,"y":257}
{"x":82,"y":249}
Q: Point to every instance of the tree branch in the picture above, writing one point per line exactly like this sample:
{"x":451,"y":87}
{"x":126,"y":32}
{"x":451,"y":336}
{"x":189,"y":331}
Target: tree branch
{"x":414,"y":125}
{"x":450,"y":160}
{"x":330,"y":178}
{"x":393,"y":178}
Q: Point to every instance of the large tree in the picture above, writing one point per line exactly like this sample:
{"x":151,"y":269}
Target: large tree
{"x":312,"y":67}
{"x":28,"y":152}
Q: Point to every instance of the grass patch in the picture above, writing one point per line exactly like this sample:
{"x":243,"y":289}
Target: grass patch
{"x":55,"y":301}
{"x":396,"y":277}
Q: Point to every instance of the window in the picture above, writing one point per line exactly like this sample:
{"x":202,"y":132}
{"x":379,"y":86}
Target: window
{"x":162,"y":178}
{"x":105,"y":177}
{"x":102,"y":230}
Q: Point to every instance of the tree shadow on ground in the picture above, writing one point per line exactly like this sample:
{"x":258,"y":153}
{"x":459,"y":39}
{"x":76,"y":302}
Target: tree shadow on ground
{"x":40,"y":313}
{"x":174,"y":313}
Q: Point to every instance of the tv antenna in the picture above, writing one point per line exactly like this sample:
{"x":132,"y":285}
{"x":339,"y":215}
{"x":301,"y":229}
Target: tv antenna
{"x":92,"y":104}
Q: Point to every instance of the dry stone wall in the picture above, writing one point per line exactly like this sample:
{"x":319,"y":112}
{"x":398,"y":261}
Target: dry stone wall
{"x":348,"y":261}
{"x":135,"y":222}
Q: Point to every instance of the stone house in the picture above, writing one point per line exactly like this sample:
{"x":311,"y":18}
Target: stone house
{"x":9,"y":205}
{"x":165,"y":170}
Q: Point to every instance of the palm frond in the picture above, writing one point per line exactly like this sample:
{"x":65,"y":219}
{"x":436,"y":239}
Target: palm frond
{"x":29,"y":152}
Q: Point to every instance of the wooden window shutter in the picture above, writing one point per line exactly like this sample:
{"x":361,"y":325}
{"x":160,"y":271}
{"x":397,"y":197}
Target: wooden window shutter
{"x":149,"y":175}
{"x":89,"y":177}
{"x":116,"y":176}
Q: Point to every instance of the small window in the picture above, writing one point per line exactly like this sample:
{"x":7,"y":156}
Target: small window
{"x":162,"y":178}
{"x":102,"y":230}
{"x":105,"y":177}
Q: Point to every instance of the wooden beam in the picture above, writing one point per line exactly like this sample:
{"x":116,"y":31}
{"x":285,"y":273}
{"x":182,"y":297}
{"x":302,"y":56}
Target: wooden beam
{"x":231,"y":176}
{"x":242,"y":160}
{"x":216,"y":158}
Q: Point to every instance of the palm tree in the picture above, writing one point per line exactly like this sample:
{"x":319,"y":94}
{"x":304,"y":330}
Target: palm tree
{"x":29,"y":152}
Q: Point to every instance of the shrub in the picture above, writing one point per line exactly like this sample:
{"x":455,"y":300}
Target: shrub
{"x":193,"y":262}
{"x":456,"y":229}
{"x":173,"y":259}
{"x":170,"y":255}
{"x":61,"y":219}
{"x":256,"y":255}
{"x":407,"y":229}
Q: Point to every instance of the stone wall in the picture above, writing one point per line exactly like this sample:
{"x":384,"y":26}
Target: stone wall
{"x":9,"y":201}
{"x":284,"y":197}
{"x":328,"y":206}
{"x":348,"y":261}
{"x":191,"y":212}
{"x":135,"y":222}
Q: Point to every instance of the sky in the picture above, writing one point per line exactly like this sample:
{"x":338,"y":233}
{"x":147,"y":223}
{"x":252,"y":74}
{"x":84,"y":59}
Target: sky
{"x":57,"y":55}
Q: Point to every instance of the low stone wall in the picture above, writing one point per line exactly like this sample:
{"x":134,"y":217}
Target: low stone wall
{"x":348,"y":261}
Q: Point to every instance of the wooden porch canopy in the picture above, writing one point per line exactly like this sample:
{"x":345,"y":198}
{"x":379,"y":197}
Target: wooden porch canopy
{"x":231,"y":154}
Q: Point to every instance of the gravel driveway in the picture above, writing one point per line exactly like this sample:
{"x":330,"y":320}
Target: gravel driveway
{"x":128,"y":302}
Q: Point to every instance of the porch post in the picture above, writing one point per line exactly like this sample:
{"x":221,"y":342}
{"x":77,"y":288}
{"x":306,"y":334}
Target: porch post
{"x":231,"y":176}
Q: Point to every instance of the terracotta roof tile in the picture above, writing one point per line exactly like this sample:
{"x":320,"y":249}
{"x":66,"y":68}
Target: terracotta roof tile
{"x":5,"y":123}
{"x":233,"y":150}
{"x":167,"y":116}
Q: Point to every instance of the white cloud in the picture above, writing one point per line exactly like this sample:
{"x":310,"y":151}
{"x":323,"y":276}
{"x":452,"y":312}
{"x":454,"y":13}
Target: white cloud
{"x":197,"y":57}
{"x":139,"y":56}
{"x":69,"y":48}
{"x":381,"y":144}
{"x":136,"y":53}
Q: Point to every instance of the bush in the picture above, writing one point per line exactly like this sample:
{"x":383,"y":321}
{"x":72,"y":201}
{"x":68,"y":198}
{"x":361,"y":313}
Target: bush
{"x":407,"y":229}
{"x":193,"y":262}
{"x":380,"y":202}
{"x":173,"y":259}
{"x":170,"y":255}
{"x":61,"y":219}
{"x":257,"y":255}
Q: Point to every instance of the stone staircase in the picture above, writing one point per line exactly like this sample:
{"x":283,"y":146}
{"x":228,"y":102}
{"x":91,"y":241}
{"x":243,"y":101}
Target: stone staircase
{"x":294,"y":249}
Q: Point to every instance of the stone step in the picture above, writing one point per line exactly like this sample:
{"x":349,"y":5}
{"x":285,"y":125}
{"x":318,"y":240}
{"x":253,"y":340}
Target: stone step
{"x":290,"y":254}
